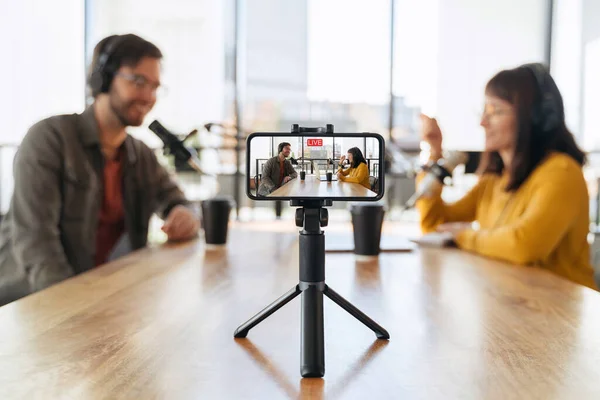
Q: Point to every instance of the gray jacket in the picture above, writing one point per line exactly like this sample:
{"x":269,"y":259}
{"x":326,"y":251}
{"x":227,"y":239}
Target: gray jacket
{"x":270,"y":175}
{"x":49,"y":232}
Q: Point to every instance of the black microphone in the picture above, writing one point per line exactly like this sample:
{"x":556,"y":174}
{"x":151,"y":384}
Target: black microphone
{"x":175,"y":146}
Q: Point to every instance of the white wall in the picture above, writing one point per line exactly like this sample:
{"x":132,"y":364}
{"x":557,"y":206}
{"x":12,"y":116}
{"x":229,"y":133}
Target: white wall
{"x":416,"y":53}
{"x":591,"y":73}
{"x":446,"y":51}
{"x":476,"y":40}
{"x":591,"y":14}
{"x":274,"y":53}
{"x":566,"y":62}
{"x":575,"y":66}
{"x":349,"y":51}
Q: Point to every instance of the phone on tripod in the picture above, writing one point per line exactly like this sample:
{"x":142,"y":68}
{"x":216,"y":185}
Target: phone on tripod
{"x":292,"y":169}
{"x":315,"y":164}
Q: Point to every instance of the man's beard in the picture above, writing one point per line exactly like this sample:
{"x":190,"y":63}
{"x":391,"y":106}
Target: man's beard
{"x":120,"y":111}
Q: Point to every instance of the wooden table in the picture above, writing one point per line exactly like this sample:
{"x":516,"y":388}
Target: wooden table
{"x":312,"y":187}
{"x":160,"y":323}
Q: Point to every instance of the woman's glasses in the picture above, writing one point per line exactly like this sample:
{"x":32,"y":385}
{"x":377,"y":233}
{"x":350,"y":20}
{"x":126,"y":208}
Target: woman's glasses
{"x":491,"y":110}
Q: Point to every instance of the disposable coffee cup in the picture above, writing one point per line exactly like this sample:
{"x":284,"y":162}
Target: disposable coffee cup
{"x":367,"y":221}
{"x":215,"y":219}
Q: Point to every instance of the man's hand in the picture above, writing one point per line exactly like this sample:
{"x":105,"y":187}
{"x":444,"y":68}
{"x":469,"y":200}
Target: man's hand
{"x":181,"y":224}
{"x":286,"y":179}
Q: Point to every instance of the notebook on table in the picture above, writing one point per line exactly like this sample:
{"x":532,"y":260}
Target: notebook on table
{"x":435,"y":239}
{"x":344,"y":242}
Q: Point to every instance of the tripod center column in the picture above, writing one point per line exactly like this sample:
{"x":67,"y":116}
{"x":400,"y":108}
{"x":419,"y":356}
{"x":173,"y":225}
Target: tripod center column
{"x":312,"y":248}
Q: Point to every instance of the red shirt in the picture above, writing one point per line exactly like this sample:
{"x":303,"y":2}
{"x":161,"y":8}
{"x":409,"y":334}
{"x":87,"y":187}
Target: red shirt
{"x":281,"y":171}
{"x":111,"y":221}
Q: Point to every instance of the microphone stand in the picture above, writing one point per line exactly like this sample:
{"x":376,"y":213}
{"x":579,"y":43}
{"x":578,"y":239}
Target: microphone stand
{"x":194,"y":162}
{"x":175,"y":147}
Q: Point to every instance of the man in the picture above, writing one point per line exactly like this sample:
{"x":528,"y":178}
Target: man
{"x":84,"y":188}
{"x":277,"y":171}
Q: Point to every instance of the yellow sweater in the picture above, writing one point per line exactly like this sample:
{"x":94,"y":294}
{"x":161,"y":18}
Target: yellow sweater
{"x":544,"y":223}
{"x":359,"y":174}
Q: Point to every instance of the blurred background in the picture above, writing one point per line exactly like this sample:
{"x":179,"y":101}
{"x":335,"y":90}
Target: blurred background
{"x":261,"y":65}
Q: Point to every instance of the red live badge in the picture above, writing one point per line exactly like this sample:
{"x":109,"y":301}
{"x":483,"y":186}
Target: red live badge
{"x":314,"y":142}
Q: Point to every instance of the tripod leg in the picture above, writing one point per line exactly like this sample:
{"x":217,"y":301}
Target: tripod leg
{"x":242,"y":330}
{"x":356,"y":313}
{"x":312,"y":363}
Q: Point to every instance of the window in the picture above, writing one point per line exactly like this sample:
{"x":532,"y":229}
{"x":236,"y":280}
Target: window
{"x":44,"y":74}
{"x":190,"y":35}
{"x":315,"y":63}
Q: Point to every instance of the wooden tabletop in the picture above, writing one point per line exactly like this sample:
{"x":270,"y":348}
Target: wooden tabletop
{"x":160,"y":323}
{"x":312,"y":187}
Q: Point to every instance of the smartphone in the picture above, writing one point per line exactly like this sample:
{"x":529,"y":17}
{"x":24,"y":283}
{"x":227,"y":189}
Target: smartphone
{"x":315,"y":165}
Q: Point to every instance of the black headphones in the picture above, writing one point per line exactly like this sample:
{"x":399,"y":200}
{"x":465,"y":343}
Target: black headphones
{"x":548,"y":112}
{"x":281,"y":146}
{"x":101,"y":77}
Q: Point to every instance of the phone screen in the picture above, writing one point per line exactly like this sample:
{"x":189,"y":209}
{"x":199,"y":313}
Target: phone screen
{"x":341,"y":166}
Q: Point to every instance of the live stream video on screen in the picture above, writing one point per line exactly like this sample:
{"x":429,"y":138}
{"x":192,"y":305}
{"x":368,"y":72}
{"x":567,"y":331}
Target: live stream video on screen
{"x":340,"y":166}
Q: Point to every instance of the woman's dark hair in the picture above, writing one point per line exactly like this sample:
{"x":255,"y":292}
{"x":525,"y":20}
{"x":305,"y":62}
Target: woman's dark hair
{"x":520,"y":87}
{"x":357,"y":157}
{"x":281,"y":146}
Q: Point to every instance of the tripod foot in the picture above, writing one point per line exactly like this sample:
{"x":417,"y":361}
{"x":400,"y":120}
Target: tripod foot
{"x":242,"y":330}
{"x":356,"y":313}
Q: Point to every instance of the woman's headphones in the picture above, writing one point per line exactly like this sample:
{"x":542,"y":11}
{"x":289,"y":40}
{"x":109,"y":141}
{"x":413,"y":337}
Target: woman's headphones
{"x":101,"y":77}
{"x":548,"y":111}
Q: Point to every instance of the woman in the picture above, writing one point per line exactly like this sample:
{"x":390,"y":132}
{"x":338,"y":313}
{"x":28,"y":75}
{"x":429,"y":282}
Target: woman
{"x":531,"y":201}
{"x":358,"y":171}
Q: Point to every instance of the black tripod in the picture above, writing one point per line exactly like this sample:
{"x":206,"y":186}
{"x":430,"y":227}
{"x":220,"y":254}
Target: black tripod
{"x":312,"y":216}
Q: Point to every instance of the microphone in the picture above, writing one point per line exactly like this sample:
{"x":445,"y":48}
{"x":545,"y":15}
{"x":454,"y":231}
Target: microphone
{"x":176,"y":147}
{"x":435,"y":176}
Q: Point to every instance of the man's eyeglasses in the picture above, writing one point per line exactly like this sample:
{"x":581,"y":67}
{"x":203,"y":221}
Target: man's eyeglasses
{"x":141,"y":83}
